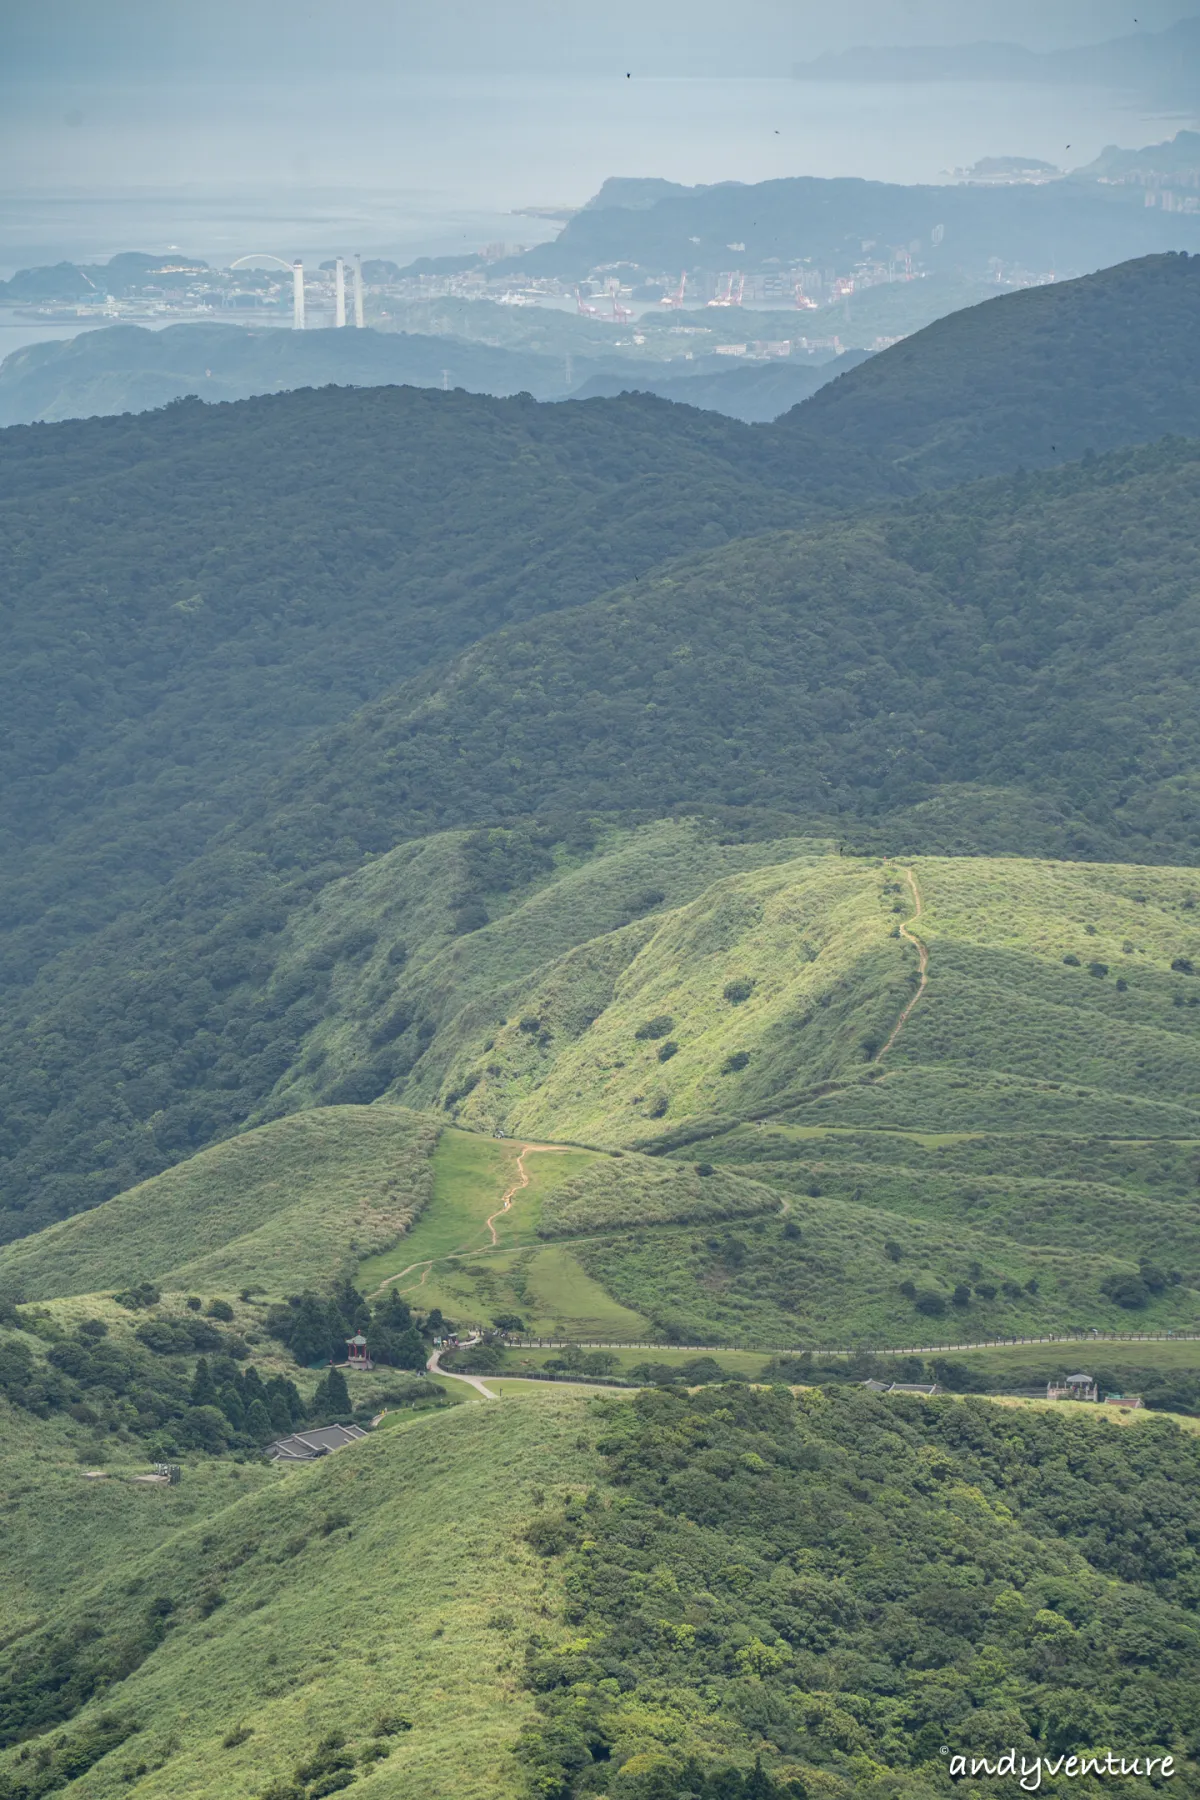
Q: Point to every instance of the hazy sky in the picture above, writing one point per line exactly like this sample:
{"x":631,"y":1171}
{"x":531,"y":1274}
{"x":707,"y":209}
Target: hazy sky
{"x":130,"y":39}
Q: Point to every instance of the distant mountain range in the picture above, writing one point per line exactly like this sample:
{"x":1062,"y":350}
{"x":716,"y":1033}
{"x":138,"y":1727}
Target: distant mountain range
{"x":1068,"y":226}
{"x":128,"y":368}
{"x":1165,"y":60}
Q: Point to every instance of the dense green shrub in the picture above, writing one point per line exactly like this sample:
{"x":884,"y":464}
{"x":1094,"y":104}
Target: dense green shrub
{"x":844,"y":1576}
{"x":658,"y":1027}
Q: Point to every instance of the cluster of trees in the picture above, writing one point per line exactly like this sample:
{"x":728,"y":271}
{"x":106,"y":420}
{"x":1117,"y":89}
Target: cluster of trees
{"x":137,"y":1390}
{"x":144,"y":1390}
{"x":845,"y":1577}
{"x":1135,"y":1291}
{"x":1163,"y":1390}
{"x":804,"y":1369}
{"x":935,"y":1304}
{"x":230,"y":1408}
{"x":55,"y":1765}
{"x":696,"y":1372}
{"x":316,"y":1327}
{"x":333,"y":1764}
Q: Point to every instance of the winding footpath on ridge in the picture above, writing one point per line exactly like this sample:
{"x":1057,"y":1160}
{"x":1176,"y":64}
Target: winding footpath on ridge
{"x":910,"y":937}
{"x":505,"y":1205}
{"x":514,"y":1190}
{"x":434,"y":1365}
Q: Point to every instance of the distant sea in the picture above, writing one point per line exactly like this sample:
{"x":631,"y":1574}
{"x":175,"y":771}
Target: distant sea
{"x":439,"y":165}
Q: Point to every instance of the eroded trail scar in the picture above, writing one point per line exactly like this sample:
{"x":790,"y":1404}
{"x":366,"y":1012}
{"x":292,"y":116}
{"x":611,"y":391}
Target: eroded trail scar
{"x":522,"y":1182}
{"x":910,"y":937}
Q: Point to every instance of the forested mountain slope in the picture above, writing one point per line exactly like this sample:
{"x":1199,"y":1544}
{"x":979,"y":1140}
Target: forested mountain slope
{"x":1031,"y":379}
{"x":1034,"y":633}
{"x":193,"y":593}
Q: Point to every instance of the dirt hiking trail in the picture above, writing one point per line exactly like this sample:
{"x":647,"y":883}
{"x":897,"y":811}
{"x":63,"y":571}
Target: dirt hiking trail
{"x":523,"y":1181}
{"x":910,"y":937}
{"x":426,"y":1263}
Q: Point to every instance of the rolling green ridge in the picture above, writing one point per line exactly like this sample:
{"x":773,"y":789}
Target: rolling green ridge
{"x":1005,"y":1020}
{"x":286,"y":1206}
{"x":1031,"y":379}
{"x":768,"y":990}
{"x":1021,"y":1158}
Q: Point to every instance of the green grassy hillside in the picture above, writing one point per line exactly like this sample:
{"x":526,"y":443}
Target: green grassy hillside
{"x":931,"y":1162}
{"x":1059,"y":998}
{"x":287,"y":1206}
{"x":386,"y":1592}
{"x":446,"y":933}
{"x":432,"y":1611}
{"x":965,"y":1173}
{"x":69,"y":1528}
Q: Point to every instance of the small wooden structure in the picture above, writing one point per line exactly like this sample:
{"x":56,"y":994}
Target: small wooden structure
{"x":1075,"y":1387}
{"x":1130,"y":1400}
{"x":357,"y":1354}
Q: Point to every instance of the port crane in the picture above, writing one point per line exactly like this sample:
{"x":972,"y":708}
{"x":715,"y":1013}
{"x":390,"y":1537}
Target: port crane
{"x":620,"y":314}
{"x":676,"y":299}
{"x":732,"y":291}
